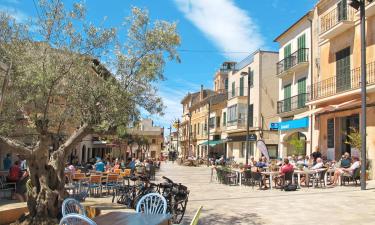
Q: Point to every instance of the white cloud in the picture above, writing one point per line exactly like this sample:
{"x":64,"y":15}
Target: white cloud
{"x":18,"y":15}
{"x":227,"y":25}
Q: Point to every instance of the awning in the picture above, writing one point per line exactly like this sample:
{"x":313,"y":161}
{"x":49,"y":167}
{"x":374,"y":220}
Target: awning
{"x":213,"y":143}
{"x":309,"y":113}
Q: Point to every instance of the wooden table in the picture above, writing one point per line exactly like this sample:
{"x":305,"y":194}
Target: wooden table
{"x":125,"y":218}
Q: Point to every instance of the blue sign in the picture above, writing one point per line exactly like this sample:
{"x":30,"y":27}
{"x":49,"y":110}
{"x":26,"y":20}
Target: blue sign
{"x":274,"y":126}
{"x":294,"y":124}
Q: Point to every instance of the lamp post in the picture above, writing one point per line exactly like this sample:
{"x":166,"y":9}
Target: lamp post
{"x":189,"y":133}
{"x":178,"y":131}
{"x":360,"y":4}
{"x":248,"y":114}
{"x":208,"y":132}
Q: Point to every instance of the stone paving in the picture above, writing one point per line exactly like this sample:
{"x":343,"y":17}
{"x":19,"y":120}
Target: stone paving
{"x":242,"y":205}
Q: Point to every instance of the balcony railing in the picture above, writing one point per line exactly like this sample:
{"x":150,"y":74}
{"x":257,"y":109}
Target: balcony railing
{"x":299,"y":56}
{"x":232,"y":93}
{"x":342,"y":83}
{"x":335,"y":16}
{"x":292,"y":103}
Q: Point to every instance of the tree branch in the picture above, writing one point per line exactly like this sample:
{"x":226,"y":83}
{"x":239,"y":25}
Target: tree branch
{"x":15,"y":146}
{"x":65,"y":149}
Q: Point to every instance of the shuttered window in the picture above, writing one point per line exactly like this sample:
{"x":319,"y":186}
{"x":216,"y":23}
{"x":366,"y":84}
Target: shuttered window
{"x":241,"y":87}
{"x":302,"y":51}
{"x":301,"y":92}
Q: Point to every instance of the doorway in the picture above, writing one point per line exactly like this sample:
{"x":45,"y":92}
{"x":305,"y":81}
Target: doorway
{"x":349,"y":125}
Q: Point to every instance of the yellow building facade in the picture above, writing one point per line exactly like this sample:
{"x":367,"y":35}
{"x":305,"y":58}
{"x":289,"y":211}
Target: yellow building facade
{"x":335,"y":91}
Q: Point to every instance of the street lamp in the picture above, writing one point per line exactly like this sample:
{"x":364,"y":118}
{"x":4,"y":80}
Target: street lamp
{"x":248,"y":114}
{"x":208,"y":132}
{"x":360,"y":4}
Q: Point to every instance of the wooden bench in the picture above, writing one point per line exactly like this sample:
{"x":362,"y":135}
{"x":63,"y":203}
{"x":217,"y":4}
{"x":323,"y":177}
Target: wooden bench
{"x":11,"y":211}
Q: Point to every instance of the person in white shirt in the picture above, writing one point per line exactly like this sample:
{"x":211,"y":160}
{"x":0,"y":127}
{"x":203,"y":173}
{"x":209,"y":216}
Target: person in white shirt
{"x":319,"y":164}
{"x":339,"y":171}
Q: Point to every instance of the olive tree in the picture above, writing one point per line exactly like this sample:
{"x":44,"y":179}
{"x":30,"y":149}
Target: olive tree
{"x":59,"y":87}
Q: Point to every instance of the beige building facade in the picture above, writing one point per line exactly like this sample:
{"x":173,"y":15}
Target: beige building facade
{"x":335,"y":92}
{"x":294,"y":70}
{"x":261,"y":68}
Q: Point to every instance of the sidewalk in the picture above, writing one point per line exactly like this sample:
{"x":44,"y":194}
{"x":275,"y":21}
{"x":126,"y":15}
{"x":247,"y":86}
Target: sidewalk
{"x":242,"y":205}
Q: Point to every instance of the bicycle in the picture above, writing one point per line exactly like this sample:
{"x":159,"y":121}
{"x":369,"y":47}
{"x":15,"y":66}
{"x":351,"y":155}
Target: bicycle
{"x":177,"y":196}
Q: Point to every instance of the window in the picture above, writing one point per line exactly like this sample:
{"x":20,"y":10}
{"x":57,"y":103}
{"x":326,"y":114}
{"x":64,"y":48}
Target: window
{"x":251,"y":115}
{"x":331,"y":133}
{"x":212,"y":122}
{"x":226,"y":84}
{"x":342,"y":10}
{"x":287,"y":58}
{"x":218,"y":121}
{"x":301,"y":42}
{"x":232,"y":113}
{"x":241,"y":87}
{"x":251,"y":77}
{"x":224,"y":119}
{"x":198,"y":128}
{"x":153,"y":141}
{"x":195,"y":130}
{"x":343,"y":81}
{"x":233,"y":89}
{"x":301,"y":92}
{"x":287,"y":99}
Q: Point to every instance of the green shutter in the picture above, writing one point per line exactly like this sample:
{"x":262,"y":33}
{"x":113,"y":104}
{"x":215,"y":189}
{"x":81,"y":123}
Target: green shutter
{"x":343,"y":80}
{"x":226,"y":84}
{"x":301,"y":55}
{"x":301,"y":92}
{"x":241,"y":86}
{"x":224,"y":118}
{"x":287,"y":99}
{"x":287,"y":58}
{"x":233,"y":89}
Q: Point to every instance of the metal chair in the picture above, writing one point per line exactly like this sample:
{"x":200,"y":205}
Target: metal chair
{"x":70,"y":205}
{"x":76,"y":219}
{"x":152,"y":203}
{"x":351,"y":177}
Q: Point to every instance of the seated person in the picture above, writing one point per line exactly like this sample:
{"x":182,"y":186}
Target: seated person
{"x":285,"y":168}
{"x":339,"y":171}
{"x":14,"y":172}
{"x":345,"y":161}
{"x":100,"y":166}
{"x":300,"y":162}
{"x":319,"y":164}
{"x":262,"y":162}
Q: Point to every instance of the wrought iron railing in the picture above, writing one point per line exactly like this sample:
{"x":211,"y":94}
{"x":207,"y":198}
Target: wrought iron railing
{"x":342,"y":82}
{"x":335,"y":16}
{"x":292,"y":103}
{"x":299,"y":56}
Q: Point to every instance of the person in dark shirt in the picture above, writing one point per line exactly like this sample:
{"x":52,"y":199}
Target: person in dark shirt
{"x":316,"y":154}
{"x":345,"y":161}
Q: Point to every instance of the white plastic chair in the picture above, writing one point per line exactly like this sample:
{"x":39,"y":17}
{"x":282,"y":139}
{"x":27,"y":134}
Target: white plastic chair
{"x":76,"y":219}
{"x":70,"y":205}
{"x":152,"y":203}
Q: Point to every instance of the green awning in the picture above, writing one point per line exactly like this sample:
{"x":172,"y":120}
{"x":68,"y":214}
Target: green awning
{"x":213,"y":143}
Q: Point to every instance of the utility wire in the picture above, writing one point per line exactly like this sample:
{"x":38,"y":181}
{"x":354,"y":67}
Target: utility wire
{"x":211,"y":51}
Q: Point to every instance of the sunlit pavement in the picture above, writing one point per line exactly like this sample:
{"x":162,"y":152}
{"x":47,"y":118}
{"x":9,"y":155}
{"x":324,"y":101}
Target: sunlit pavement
{"x":243,"y":205}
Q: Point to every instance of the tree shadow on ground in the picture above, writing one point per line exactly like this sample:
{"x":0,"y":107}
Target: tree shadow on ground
{"x":213,"y":217}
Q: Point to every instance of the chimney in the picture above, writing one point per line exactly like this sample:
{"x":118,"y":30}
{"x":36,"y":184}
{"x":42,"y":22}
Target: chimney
{"x":201,"y":94}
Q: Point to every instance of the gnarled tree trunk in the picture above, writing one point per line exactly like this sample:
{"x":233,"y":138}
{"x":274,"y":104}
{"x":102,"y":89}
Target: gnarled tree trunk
{"x":47,"y":176}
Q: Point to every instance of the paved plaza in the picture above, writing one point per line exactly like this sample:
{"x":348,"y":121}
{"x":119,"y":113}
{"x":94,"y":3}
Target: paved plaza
{"x":242,"y":205}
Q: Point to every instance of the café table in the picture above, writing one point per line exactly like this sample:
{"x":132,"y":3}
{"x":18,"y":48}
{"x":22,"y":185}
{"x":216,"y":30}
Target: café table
{"x":127,"y":218}
{"x":239,"y":175}
{"x":270,"y":174}
{"x":308,"y":173}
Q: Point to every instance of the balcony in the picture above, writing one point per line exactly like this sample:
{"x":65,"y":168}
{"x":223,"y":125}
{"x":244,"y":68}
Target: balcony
{"x":297,"y":59}
{"x":336,"y":21}
{"x":293,"y":103}
{"x":237,"y":92}
{"x":340,"y":83}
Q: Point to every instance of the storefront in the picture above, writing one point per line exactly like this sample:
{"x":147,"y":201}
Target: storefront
{"x":294,"y":137}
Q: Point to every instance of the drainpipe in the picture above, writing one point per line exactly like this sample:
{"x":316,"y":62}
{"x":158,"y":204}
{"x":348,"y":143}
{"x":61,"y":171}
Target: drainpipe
{"x":311,"y":84}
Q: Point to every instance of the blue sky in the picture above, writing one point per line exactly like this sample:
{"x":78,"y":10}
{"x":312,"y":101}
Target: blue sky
{"x":212,"y":31}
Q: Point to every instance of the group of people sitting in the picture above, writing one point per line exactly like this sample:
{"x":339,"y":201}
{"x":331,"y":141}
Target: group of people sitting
{"x":346,"y":165}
